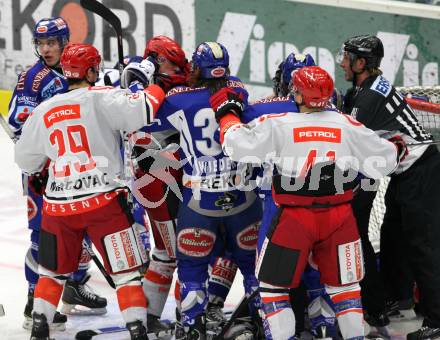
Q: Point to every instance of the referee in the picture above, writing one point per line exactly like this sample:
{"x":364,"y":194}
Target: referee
{"x":413,"y":206}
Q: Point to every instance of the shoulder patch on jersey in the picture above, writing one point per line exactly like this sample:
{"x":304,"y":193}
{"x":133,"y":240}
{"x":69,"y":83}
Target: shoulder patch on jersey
{"x":21,"y":80}
{"x":183,"y":89}
{"x":39,"y":77}
{"x":53,"y":87}
{"x":272,"y":100}
{"x":235,"y":83}
{"x":382,"y":86}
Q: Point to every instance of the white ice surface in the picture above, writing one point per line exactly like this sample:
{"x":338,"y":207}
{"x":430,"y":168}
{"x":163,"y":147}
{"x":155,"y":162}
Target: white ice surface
{"x":14,"y":242}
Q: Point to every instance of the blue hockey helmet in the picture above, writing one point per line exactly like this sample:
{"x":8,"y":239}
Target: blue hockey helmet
{"x":52,"y":27}
{"x":294,"y":62}
{"x":212,"y":59}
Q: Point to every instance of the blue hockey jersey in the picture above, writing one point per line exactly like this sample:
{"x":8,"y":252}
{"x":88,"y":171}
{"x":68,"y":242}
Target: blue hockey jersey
{"x":210,"y":179}
{"x":33,"y":87}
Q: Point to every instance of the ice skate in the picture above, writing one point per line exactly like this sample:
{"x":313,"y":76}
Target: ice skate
{"x":79,"y":300}
{"x":154,"y":325}
{"x":196,"y":331}
{"x":380,"y":327}
{"x":59,"y":320}
{"x":401,"y":310}
{"x":40,"y":327}
{"x":424,"y":333}
{"x":137,"y":330}
{"x":322,"y":333}
{"x":214,"y":316}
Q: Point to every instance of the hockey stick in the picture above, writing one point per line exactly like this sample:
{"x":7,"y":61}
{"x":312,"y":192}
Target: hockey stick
{"x":98,"y":264}
{"x":89,"y":334}
{"x":92,"y":254}
{"x":105,"y":13}
{"x":7,"y":128}
{"x":242,"y":306}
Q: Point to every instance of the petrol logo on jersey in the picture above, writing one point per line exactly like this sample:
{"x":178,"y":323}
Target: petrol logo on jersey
{"x":247,"y":238}
{"x":382,"y":86}
{"x":316,"y":134}
{"x":195,"y":242}
{"x":32,"y":208}
{"x":60,"y":113}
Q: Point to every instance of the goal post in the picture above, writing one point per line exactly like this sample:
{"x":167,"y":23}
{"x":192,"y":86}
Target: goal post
{"x":425,"y":102}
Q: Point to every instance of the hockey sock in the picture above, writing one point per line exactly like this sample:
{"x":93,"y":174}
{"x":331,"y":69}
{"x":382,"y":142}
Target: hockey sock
{"x":157,"y":283}
{"x":278,"y":317}
{"x":193,"y":301}
{"x":84,"y":263}
{"x":31,"y":261}
{"x":132,"y":301}
{"x":220,"y":281}
{"x":320,"y":308}
{"x":47,"y":295}
{"x":348,"y":309}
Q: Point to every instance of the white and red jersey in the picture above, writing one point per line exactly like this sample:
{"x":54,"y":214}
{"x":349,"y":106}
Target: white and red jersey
{"x":295,"y":141}
{"x":79,"y":132}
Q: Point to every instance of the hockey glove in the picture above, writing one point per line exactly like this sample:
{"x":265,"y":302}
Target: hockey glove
{"x":138,"y":72}
{"x":226,"y":101}
{"x":402,"y":148}
{"x":37,"y":182}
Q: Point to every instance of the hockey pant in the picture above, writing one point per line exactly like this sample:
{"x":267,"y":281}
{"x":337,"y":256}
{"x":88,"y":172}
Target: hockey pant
{"x":196,"y":237}
{"x":34,"y":206}
{"x":331,"y":235}
{"x":319,"y":307}
{"x":158,"y":278}
{"x":109,"y":227}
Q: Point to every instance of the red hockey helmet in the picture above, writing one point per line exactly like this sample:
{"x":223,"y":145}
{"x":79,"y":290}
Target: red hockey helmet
{"x":78,"y":58}
{"x":315,"y":85}
{"x":162,"y":46}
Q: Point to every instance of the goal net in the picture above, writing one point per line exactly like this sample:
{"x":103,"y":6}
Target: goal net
{"x":425,"y":102}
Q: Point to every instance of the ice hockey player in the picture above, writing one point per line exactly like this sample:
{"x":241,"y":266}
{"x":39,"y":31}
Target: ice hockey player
{"x":320,"y":313}
{"x":317,"y":153}
{"x":41,"y":82}
{"x":412,"y":191}
{"x":172,"y":71}
{"x":211,"y":201}
{"x":78,"y":132}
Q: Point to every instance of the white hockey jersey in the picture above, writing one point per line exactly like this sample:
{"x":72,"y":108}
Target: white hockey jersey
{"x":295,"y":141}
{"x":79,"y":133}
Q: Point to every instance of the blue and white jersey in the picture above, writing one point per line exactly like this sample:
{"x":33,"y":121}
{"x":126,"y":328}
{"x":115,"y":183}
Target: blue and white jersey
{"x":34,"y":86}
{"x":251,"y":116}
{"x":211,"y":181}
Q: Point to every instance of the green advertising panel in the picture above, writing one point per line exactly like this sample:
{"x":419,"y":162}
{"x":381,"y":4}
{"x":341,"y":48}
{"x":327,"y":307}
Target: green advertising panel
{"x":259,"y":34}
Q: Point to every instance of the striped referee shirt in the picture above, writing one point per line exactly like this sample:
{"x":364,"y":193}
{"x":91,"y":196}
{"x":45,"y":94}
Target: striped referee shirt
{"x":379,"y":106}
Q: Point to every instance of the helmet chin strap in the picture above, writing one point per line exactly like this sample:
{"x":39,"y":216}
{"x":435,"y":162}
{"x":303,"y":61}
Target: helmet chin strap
{"x":355,"y":73}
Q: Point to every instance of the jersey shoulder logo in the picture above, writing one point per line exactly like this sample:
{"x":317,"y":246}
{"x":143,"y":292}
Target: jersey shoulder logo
{"x":183,"y":89}
{"x":382,"y":86}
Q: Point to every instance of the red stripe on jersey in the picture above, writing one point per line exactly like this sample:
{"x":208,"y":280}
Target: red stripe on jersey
{"x":351,"y":120}
{"x":155,"y":96}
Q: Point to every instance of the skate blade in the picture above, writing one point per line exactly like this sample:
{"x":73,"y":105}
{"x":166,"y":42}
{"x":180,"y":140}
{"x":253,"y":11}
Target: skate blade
{"x":81,"y":310}
{"x":27,"y":325}
{"x":404,"y":315}
{"x":385,"y":333}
